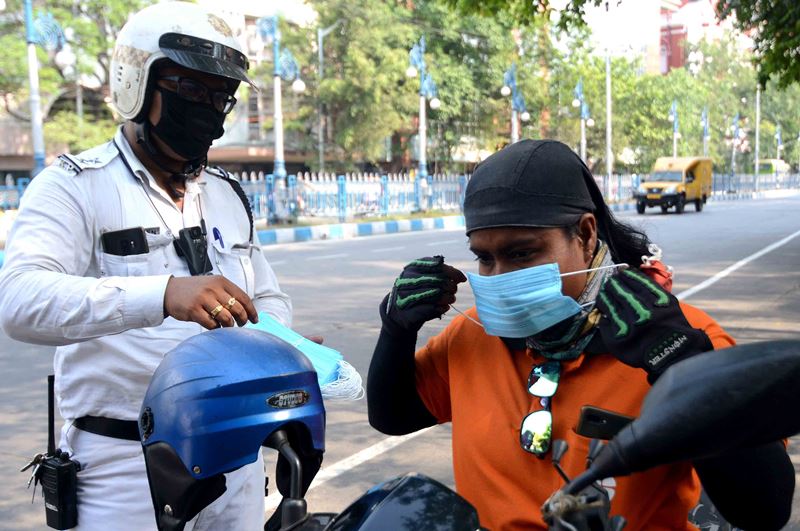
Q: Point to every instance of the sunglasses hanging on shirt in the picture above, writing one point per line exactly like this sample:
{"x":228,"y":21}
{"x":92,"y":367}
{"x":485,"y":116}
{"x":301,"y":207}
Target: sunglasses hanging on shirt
{"x":536,"y":430}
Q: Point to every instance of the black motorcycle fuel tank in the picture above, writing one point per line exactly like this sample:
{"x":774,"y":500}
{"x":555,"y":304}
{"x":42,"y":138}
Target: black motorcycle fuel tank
{"x":408,"y":503}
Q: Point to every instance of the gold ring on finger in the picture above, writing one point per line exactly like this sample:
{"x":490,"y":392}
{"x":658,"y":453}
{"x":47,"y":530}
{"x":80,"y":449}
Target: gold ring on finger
{"x":231,"y":302}
{"x":215,"y":311}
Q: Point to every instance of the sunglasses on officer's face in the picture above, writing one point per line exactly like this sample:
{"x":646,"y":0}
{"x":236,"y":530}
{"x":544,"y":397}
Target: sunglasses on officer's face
{"x":193,"y":90}
{"x":535,"y":432}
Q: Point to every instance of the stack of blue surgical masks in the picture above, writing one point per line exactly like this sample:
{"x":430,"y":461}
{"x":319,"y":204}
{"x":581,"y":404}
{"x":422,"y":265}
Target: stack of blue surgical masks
{"x":337,"y":378}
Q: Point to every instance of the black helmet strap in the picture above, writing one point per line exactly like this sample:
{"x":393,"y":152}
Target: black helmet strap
{"x":179,"y":496}
{"x":191,"y":168}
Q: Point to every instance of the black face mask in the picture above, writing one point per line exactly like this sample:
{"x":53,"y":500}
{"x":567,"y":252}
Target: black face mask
{"x":188,"y":128}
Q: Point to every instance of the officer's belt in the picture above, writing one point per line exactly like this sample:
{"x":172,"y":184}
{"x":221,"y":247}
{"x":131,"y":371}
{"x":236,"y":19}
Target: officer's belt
{"x":115,"y":428}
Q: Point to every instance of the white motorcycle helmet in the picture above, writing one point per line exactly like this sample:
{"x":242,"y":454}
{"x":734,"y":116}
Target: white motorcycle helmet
{"x":187,"y":34}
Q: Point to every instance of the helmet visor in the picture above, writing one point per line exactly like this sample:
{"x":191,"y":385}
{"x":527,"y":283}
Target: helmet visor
{"x":206,"y":56}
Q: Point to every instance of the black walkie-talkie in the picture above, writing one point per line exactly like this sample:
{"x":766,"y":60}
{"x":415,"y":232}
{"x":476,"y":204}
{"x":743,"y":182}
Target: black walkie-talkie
{"x":58,"y":475}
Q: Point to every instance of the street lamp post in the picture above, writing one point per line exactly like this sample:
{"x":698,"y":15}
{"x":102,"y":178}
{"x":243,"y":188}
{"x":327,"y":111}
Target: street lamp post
{"x":285,"y":67}
{"x":673,"y":117}
{"x":609,"y":153}
{"x":580,"y":101}
{"x":37,"y":132}
{"x":756,"y":162}
{"x":778,"y":142}
{"x":734,"y":140}
{"x":706,"y":136}
{"x":427,"y":90}
{"x":518,"y":111}
{"x":46,"y":32}
{"x":321,"y":34}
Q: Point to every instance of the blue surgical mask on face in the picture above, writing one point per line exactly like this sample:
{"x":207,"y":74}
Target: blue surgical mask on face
{"x":521,"y":303}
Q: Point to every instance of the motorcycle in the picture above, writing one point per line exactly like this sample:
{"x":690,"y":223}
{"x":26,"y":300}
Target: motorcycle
{"x":694,"y":410}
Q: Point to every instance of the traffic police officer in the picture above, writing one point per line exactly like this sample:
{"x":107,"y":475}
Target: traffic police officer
{"x":120,"y":253}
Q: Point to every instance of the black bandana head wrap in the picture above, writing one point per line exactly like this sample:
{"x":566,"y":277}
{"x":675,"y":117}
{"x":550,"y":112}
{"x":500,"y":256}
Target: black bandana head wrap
{"x":532,"y":183}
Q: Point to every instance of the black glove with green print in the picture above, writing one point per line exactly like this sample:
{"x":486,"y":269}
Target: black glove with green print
{"x":643,"y":325}
{"x":423,"y":291}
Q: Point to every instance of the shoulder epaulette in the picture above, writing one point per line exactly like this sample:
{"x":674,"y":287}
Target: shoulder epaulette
{"x":96,"y":157}
{"x":216,"y":171}
{"x":66,"y":162}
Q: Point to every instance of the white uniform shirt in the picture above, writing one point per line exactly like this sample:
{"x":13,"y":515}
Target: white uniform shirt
{"x":105,"y":312}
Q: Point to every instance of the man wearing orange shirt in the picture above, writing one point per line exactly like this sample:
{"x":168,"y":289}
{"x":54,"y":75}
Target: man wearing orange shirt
{"x":558,"y":324}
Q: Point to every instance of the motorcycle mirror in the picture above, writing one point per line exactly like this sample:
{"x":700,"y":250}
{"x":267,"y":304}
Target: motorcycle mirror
{"x":595,"y":447}
{"x":711,"y":403}
{"x":560,"y":447}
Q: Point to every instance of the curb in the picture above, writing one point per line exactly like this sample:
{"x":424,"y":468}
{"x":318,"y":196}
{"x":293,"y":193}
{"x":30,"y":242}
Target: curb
{"x":622,"y":207}
{"x":769,"y":194}
{"x":339,"y":231}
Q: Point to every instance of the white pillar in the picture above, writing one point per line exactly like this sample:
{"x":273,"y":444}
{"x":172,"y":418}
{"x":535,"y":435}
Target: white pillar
{"x":758,"y":135}
{"x":583,"y":140}
{"x":259,"y":100}
{"x":79,"y":98}
{"x":35,"y":101}
{"x":423,"y":139}
{"x":280,"y":165}
{"x":514,"y":126}
{"x":36,"y":110}
{"x":609,"y":154}
{"x":321,"y":127}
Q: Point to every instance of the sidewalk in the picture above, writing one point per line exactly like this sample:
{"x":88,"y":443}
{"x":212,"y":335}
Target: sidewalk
{"x":769,"y":194}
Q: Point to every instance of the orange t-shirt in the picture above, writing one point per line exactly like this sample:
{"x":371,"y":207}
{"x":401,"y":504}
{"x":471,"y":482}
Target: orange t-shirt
{"x":474,"y":381}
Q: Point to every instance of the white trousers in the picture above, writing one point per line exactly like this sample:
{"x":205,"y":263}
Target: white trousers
{"x":113,"y":492}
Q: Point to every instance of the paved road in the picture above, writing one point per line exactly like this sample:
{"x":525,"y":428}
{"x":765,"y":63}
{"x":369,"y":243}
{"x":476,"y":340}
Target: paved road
{"x":336,"y":287}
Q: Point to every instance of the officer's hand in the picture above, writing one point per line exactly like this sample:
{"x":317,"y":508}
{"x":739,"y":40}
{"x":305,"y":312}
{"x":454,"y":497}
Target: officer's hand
{"x":195,"y":298}
{"x":643,"y":325}
{"x":424,"y":290}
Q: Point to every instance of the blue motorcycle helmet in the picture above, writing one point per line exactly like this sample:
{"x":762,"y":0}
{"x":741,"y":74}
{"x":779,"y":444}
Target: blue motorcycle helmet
{"x":212,"y":403}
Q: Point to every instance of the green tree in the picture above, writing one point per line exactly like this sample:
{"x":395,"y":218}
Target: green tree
{"x":780,"y":107}
{"x":526,"y":12}
{"x":776,"y":36}
{"x":92,"y":26}
{"x":368,"y":97}
{"x":364,"y":64}
{"x":467,"y":57}
{"x":65,"y":128}
{"x":775,"y":25}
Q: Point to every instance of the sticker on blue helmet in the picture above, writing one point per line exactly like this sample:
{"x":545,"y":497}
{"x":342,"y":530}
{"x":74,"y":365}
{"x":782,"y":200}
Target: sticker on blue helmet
{"x":288,"y":399}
